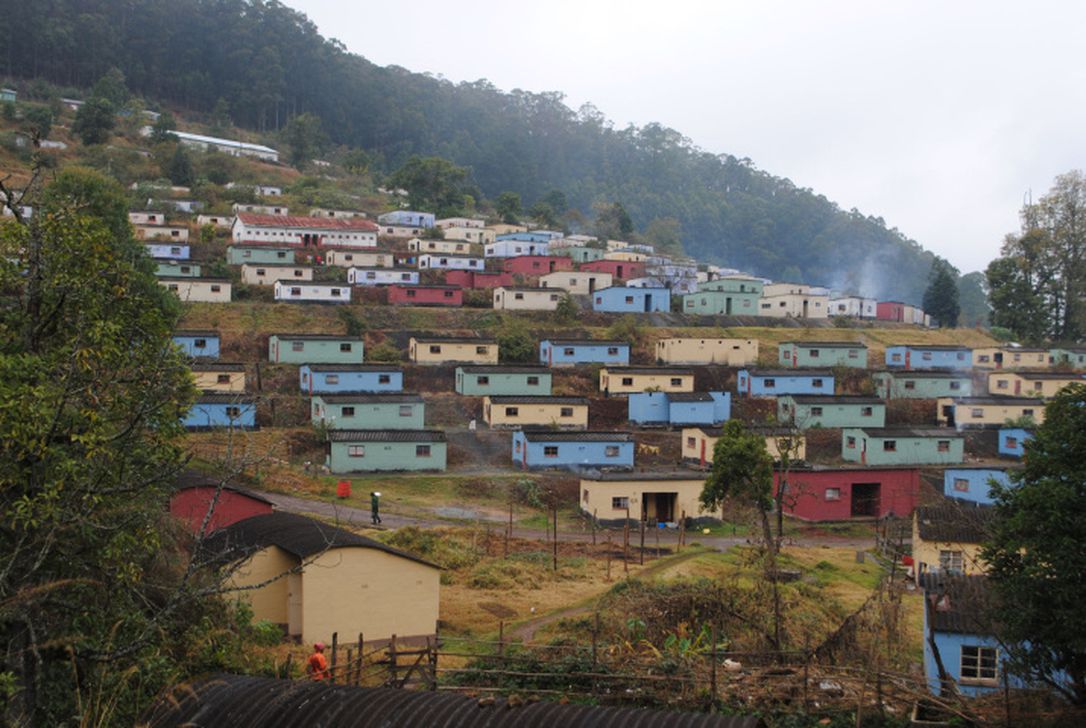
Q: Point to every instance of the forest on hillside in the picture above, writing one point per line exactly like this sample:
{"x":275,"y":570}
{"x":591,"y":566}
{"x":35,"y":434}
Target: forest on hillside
{"x":264,"y":64}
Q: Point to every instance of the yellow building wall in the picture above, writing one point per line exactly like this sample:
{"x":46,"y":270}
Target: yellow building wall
{"x":535,"y":414}
{"x":597,"y":495}
{"x":990,"y":414}
{"x":730,"y":352}
{"x":692,"y":439}
{"x":419,"y":352}
{"x":209,"y":381}
{"x":532,"y":300}
{"x":628,"y":256}
{"x":612,"y":383}
{"x":927,"y":553}
{"x":197,"y":290}
{"x":1045,"y":388}
{"x":985,"y":358}
{"x":250,"y":275}
{"x":576,"y":282}
{"x":269,"y":602}
{"x":352,"y":590}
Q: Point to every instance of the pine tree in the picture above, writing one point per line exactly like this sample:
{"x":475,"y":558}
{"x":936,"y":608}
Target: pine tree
{"x":941,"y":296}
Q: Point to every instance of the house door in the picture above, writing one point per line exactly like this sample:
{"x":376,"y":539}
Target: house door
{"x":1018,"y":386}
{"x":805,"y":309}
{"x":648,"y":303}
{"x":591,"y":285}
{"x":865,"y":500}
{"x":727,"y":307}
{"x":703,"y":453}
{"x":618,"y":270}
{"x":658,"y":507}
{"x":551,"y":266}
{"x":294,"y":604}
{"x":948,"y":415}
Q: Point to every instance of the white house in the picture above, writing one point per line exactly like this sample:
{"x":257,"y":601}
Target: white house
{"x":460,"y":222}
{"x":514,"y":248}
{"x":221,"y":222}
{"x":266,"y":274}
{"x":312,"y":292}
{"x":359,"y":258}
{"x":794,"y":300}
{"x":199,"y":290}
{"x":239,"y":207}
{"x":229,"y":146}
{"x":577,"y":282}
{"x":401,"y":231}
{"x":296,"y":230}
{"x":382,"y":277}
{"x":527,"y":299}
{"x":482,"y":236}
{"x":853,"y":307}
{"x":178,"y":233}
{"x":429,"y":261}
{"x":147,"y":218}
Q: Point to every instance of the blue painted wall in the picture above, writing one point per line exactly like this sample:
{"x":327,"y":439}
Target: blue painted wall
{"x":971,"y":484}
{"x":350,"y":381}
{"x":613,"y":300}
{"x":921,"y":357}
{"x":555,"y":354}
{"x":1017,"y":434}
{"x":656,"y":408}
{"x":525,"y":237}
{"x":168,"y":250}
{"x":187,"y":343}
{"x":754,"y":385}
{"x":576,"y":455}
{"x":410,"y":218}
{"x":214,"y":414}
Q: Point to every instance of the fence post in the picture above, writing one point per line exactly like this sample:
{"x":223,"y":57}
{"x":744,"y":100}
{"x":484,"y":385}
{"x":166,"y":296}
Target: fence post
{"x":595,"y":647}
{"x":593,"y":526}
{"x":555,"y":543}
{"x":348,"y":672}
{"x":287,"y":666}
{"x":608,"y":554}
{"x":361,"y":662}
{"x":712,"y":671}
{"x":501,"y":638}
{"x":392,"y":661}
{"x":509,"y":530}
{"x":644,"y":522}
{"x":682,"y":532}
{"x":335,"y":643}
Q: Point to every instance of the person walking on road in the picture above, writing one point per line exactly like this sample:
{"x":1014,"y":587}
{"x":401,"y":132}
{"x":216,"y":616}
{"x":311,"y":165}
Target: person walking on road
{"x":375,"y":514}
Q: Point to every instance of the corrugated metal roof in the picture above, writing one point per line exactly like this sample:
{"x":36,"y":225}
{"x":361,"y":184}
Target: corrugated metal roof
{"x":925,"y":374}
{"x":217,"y":367}
{"x":688,"y":397}
{"x":452,"y":340}
{"x":353,"y":368}
{"x":302,"y":221}
{"x":316,"y":337}
{"x":194,"y":479}
{"x":386,"y":436}
{"x":958,"y":604}
{"x":1013,"y":401}
{"x":790,"y":372}
{"x":555,"y":436}
{"x":224,"y":398}
{"x":833,"y":399}
{"x":195,"y":332}
{"x":829,"y":344}
{"x":954,"y":523}
{"x":676,"y":371}
{"x":932,"y":347}
{"x":536,"y":399}
{"x":626,"y":477}
{"x":500,"y":369}
{"x":233,"y":701}
{"x":943,"y":433}
{"x":586,"y":342}
{"x":388,"y":398}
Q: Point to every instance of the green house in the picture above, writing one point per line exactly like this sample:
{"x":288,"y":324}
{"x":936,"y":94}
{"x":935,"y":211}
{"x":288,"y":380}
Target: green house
{"x":903,"y":446}
{"x":479,"y":381}
{"x":822,"y":354}
{"x":239,"y":254}
{"x":315,"y":349}
{"x":393,"y":411}
{"x":177,"y":269}
{"x":842,"y":410}
{"x":1075,"y":357}
{"x":367,"y":451}
{"x":922,"y":384}
{"x":580,"y":253}
{"x":7,"y":94}
{"x":729,"y":296}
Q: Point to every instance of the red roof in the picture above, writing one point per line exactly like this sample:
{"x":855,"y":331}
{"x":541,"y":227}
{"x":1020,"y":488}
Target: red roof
{"x":301,"y":221}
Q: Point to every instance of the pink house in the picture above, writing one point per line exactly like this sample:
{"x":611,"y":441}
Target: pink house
{"x":426,"y":295}
{"x":477,"y":279}
{"x":537,"y":265}
{"x":620,"y":269}
{"x":839,"y":494}
{"x":890,"y":311}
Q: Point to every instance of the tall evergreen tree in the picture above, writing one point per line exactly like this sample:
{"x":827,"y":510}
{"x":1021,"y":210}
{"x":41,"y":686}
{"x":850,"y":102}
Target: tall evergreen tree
{"x":941,"y":296}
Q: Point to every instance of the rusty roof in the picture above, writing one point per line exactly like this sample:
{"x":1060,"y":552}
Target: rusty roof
{"x":302,"y":221}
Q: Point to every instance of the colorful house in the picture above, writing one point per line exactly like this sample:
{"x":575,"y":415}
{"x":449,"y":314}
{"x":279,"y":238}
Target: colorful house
{"x":657,"y":498}
{"x":676,"y":409}
{"x":478,"y":279}
{"x":219,"y":377}
{"x":619,"y":299}
{"x":199,"y":290}
{"x":580,"y":283}
{"x":169,"y":251}
{"x":213,"y":410}
{"x":578,"y":253}
{"x":198,"y":344}
{"x":295,"y":292}
{"x":536,"y":265}
{"x":174,"y":233}
{"x":519,"y":411}
{"x":1070,"y":356}
{"x":777,"y":382}
{"x":527,"y":299}
{"x":902,"y":446}
{"x":844,"y":410}
{"x":724,"y":296}
{"x":571,"y":352}
{"x":917,"y":356}
{"x":382,"y":277}
{"x":947,"y":539}
{"x":241,"y":254}
{"x":1032,"y":384}
{"x":854,"y":307}
{"x":342,"y":378}
{"x":506,"y":246}
{"x":624,"y":380}
{"x":408,"y":218}
{"x":266,"y":274}
{"x":392,"y":411}
{"x":972,"y":485}
{"x":987,"y":411}
{"x":534,"y":449}
{"x":1011,"y":357}
{"x":428,"y":295}
{"x":315,"y":349}
{"x":452,"y":350}
{"x":793,"y":300}
{"x":176,"y":269}
{"x":199,"y":498}
{"x":1012,"y":441}
{"x":448,"y":261}
{"x":838,"y":494}
{"x":920,"y":384}
{"x":695,"y":350}
{"x":698,"y":444}
{"x":619,"y":269}
{"x":822,"y":354}
{"x":479,"y":381}
{"x":360,"y":258}
{"x":368,"y":451}
{"x":439,"y":246}
{"x":890,"y":311}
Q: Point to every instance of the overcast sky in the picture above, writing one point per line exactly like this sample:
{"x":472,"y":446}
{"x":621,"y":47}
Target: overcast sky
{"x":937,"y":116}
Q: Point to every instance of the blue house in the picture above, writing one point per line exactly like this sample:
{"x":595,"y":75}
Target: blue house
{"x":620,"y":299}
{"x":407,"y":218}
{"x":573,"y":450}
{"x":916,"y":356}
{"x":569,"y":352}
{"x":1012,"y":441}
{"x":972,"y":484}
{"x":318,"y":378}
{"x":536,"y":236}
{"x":198,"y":344}
{"x":679,"y":408}
{"x":774,"y":382}
{"x":221,"y":410}
{"x":175,"y":251}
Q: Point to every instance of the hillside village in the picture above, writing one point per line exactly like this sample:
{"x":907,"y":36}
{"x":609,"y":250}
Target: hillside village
{"x":372,"y":348}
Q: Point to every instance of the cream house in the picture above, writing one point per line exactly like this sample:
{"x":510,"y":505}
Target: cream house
{"x":947,"y":538}
{"x":987,"y":411}
{"x":658,"y":497}
{"x":1035,"y":384}
{"x":694,"y":350}
{"x":577,"y":282}
{"x":266,"y":274}
{"x":793,"y":300}
{"x":199,"y":290}
{"x":1010,"y":357}
{"x":698,"y":444}
{"x":527,"y":299}
{"x":517,"y":411}
{"x":452,"y":350}
{"x":623,"y":380}
{"x":219,"y":377}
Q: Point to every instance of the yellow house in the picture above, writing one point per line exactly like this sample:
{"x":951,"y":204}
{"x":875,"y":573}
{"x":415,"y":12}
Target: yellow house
{"x":199,"y":290}
{"x":452,"y":351}
{"x":1036,"y":384}
{"x":417,"y":245}
{"x":948,"y":538}
{"x":698,"y":444}
{"x":527,"y":299}
{"x":793,"y":300}
{"x":626,"y":256}
{"x":266,"y":274}
{"x":692,"y":350}
{"x":661,"y":497}
{"x":516,"y":411}
{"x":1011,"y":357}
{"x":504,"y":228}
{"x":577,"y":282}
{"x":987,"y":411}
{"x":316,"y":580}
{"x":219,"y":377}
{"x":623,"y":380}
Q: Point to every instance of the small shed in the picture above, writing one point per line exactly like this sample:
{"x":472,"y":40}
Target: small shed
{"x":198,"y":344}
{"x":902,"y":446}
{"x":519,"y":298}
{"x":214,"y":410}
{"x":658,"y":497}
{"x":987,"y":412}
{"x":266,"y":274}
{"x":242,"y":254}
{"x":624,"y":380}
{"x":571,"y":352}
{"x":309,"y":292}
{"x":219,"y":376}
{"x":199,"y":290}
{"x":382,"y":277}
{"x":843,"y":410}
{"x":698,"y":444}
{"x":822,"y":354}
{"x":922,"y":384}
{"x":698,"y":350}
{"x":620,"y":299}
{"x":452,"y":350}
{"x":348,"y":378}
{"x":928,"y":356}
{"x":815,"y":493}
{"x":425,"y":295}
{"x":516,"y":411}
{"x":536,"y":265}
{"x":1012,"y":441}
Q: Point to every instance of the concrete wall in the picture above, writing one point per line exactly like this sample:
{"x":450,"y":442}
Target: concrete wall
{"x":269,"y":602}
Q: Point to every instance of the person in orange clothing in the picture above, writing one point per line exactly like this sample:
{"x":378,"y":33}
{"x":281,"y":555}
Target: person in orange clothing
{"x":317,"y":665}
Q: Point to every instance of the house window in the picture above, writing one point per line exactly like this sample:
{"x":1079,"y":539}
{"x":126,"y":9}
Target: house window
{"x":961,"y":356}
{"x":356,"y":451}
{"x":980,"y":664}
{"x":787,"y":354}
{"x":983,"y":358}
{"x":405,"y":276}
{"x":345,"y":347}
{"x":331,"y":379}
{"x":1012,"y":442}
{"x":867,"y":411}
{"x":943,"y":446}
{"x":926,"y":356}
{"x":435,"y":348}
{"x":249,"y":254}
{"x":629,"y":299}
{"x":337,"y":291}
{"x":282,"y":254}
{"x":833,"y":494}
{"x":550,"y":451}
{"x":481,"y":350}
{"x":816,"y":411}
{"x":482,"y":381}
{"x":961,"y":485}
{"x":850,"y":443}
{"x":814,"y":353}
{"x":910,"y":384}
{"x":422,"y":451}
{"x":568,"y":351}
{"x":185,"y":269}
{"x":533,"y":381}
{"x":816,"y":382}
{"x":620,"y":503}
{"x":512,"y":412}
{"x":691,"y":442}
{"x":769,"y":383}
{"x":216,"y":288}
{"x":295,"y":291}
{"x":199,"y":344}
{"x":411,"y":293}
{"x":346,"y":411}
{"x":951,"y":561}
{"x":676,"y":382}
{"x":889,"y":445}
{"x":612,"y":351}
{"x":627,"y":381}
{"x":976,"y":412}
{"x":853,"y":354}
{"x":448,"y":294}
{"x":371,"y":275}
{"x":1002,"y":384}
{"x":384,"y":378}
{"x":566,"y":412}
{"x":175,"y":251}
{"x":223,"y":379}
{"x":895,"y":357}
{"x":611,"y":451}
{"x":1027,"y":413}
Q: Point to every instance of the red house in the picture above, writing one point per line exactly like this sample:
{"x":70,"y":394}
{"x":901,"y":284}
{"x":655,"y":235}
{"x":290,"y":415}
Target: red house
{"x":620,"y":269}
{"x":536,"y":265}
{"x":426,"y":295}
{"x":838,"y":494}
{"x":195,"y":493}
{"x":890,"y":311}
{"x":477,"y":279}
